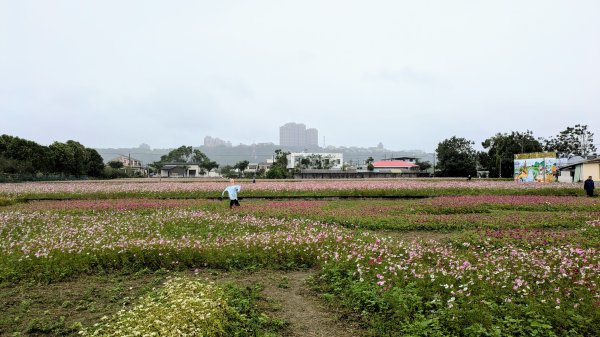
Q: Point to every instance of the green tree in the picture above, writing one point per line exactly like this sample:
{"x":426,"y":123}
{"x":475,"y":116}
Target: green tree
{"x":242,"y":165}
{"x":26,"y":157}
{"x":95,"y":163}
{"x":181,"y":154}
{"x":423,"y":166}
{"x":80,"y":158}
{"x":115,"y":164}
{"x":456,"y":157}
{"x":501,"y":150}
{"x":23,"y":156}
{"x":198,"y":156}
{"x":369,"y":163}
{"x":186,"y":155}
{"x":228,"y":171}
{"x":573,"y":141}
{"x":279,"y":168}
{"x":63,"y":158}
{"x":206,"y":165}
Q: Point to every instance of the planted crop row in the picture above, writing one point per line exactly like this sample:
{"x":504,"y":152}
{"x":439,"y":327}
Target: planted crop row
{"x":279,"y":189}
{"x":432,"y":214}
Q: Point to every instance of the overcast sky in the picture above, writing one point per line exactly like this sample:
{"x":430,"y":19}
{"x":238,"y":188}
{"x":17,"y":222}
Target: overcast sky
{"x":405,"y":73}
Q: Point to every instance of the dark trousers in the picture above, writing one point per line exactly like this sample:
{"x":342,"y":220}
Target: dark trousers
{"x":233,"y":202}
{"x":590,"y":192}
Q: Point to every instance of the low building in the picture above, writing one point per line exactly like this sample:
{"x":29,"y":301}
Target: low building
{"x":406,"y":159}
{"x":579,"y":169}
{"x":131,"y":164}
{"x":395,"y":166}
{"x":185,"y":170}
{"x":255,"y":167}
{"x":128,"y":161}
{"x":309,"y":160}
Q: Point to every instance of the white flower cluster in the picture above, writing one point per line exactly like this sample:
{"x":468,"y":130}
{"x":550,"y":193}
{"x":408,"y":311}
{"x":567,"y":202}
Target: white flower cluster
{"x":183,"y":307}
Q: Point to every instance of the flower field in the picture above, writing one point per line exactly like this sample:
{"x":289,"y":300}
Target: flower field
{"x":291,"y":188}
{"x":501,"y":263}
{"x":439,"y":213}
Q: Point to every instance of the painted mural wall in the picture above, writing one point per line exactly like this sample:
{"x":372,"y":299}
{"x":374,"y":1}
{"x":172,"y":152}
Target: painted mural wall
{"x":536,"y":167}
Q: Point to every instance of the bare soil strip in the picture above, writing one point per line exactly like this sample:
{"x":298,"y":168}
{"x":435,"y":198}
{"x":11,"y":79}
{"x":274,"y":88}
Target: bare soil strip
{"x":296,"y":303}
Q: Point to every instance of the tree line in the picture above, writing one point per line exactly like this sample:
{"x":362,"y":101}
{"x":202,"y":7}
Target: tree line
{"x":25,"y":157}
{"x":456,"y":156}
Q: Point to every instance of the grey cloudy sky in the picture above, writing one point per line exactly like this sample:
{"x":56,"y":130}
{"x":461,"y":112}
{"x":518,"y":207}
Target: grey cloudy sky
{"x":405,"y":73}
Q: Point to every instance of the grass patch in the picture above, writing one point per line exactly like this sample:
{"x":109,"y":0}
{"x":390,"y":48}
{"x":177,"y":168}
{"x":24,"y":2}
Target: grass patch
{"x":62,"y":308}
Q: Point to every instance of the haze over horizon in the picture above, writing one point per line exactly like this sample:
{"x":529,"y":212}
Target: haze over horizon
{"x":409,"y":74}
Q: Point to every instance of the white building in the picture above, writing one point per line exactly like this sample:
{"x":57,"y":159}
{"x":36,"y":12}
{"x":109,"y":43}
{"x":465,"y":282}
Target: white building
{"x":185,"y":170}
{"x":579,"y":169}
{"x":307,"y":160}
{"x":128,"y":161}
{"x":131,"y":164}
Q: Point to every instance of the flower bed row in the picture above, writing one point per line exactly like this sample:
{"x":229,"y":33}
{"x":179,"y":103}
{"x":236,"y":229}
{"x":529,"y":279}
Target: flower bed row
{"x":433,"y":214}
{"x":320,"y":188}
{"x":474,"y":285}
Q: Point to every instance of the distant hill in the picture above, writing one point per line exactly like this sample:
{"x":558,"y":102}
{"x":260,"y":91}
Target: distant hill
{"x":230,"y":155}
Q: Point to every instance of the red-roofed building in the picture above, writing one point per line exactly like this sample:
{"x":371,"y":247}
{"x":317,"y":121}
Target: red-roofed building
{"x":395,"y":166}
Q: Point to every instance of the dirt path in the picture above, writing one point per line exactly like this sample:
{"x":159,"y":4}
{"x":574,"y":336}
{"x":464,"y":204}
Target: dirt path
{"x":300,"y":307}
{"x":296,"y":303}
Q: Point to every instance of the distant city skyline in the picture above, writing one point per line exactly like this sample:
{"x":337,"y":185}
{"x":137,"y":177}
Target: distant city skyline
{"x":296,"y":134}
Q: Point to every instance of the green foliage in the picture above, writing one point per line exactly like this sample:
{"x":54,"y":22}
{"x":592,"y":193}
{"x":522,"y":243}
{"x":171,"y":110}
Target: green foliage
{"x":186,"y":154}
{"x":24,"y":157}
{"x":228,"y":171}
{"x":417,"y":308}
{"x":456,"y":157}
{"x":279,"y":168}
{"x":94,"y":164}
{"x":573,"y":141}
{"x":5,"y":201}
{"x":250,"y":320}
{"x":242,"y":165}
{"x":115,"y":164}
{"x":423,"y":166}
{"x":205,"y":163}
{"x":277,"y":172}
{"x":113,"y":173}
{"x":69,"y":157}
{"x":501,"y":148}
{"x":181,"y":154}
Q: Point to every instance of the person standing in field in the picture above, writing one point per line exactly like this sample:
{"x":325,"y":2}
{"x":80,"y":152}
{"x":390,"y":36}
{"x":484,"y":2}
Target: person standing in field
{"x":232,"y":191}
{"x":588,"y":186}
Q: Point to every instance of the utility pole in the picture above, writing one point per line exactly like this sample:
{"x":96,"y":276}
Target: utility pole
{"x":434,"y":163}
